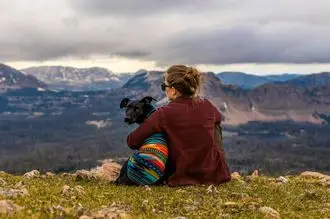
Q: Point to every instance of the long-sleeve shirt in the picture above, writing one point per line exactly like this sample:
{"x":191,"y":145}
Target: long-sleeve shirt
{"x":195,"y":156}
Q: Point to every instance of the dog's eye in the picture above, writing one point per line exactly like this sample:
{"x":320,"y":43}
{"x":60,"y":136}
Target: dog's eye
{"x":136,"y":108}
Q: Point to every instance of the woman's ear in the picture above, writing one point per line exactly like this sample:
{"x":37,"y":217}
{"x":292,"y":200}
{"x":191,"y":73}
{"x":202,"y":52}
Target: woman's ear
{"x":175,"y":92}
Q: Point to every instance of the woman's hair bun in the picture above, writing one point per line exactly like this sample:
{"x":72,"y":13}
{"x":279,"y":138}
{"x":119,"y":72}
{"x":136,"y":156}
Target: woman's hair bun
{"x":192,"y":72}
{"x":186,"y":79}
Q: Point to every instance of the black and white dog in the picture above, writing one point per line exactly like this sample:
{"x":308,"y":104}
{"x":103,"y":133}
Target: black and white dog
{"x":147,"y":165}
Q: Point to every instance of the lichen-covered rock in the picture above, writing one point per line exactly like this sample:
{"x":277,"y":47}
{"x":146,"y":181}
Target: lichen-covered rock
{"x":109,"y":171}
{"x":32,"y":174}
{"x":72,"y":192}
{"x":85,"y":217}
{"x":79,"y":190}
{"x":65,"y":190}
{"x":14,"y":192}
{"x":114,"y":211}
{"x":282,"y":179}
{"x":7,"y":207}
{"x":19,"y":185}
{"x":325,"y":181}
{"x":231,"y":204}
{"x":2,"y":182}
{"x":269,"y":213}
{"x":235,"y":176}
{"x":83,"y":174}
{"x":211,"y":189}
{"x":49,"y":174}
{"x":312,"y":174}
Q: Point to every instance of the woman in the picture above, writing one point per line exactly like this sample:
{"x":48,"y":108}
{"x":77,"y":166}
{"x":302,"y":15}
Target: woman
{"x":189,"y":122}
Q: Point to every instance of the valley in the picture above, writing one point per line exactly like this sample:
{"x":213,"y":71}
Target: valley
{"x":278,"y":128}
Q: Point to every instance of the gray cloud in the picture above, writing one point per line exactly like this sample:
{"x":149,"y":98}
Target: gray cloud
{"x":191,"y":32}
{"x":141,"y":8}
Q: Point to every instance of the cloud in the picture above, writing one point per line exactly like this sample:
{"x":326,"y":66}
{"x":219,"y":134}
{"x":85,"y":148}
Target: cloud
{"x":141,"y":8}
{"x":167,"y":32}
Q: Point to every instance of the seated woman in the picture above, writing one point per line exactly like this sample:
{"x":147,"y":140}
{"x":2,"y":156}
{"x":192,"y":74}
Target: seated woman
{"x":195,"y":156}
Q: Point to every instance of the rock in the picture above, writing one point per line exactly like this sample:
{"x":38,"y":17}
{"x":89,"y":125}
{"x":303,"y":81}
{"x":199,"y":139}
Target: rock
{"x":147,"y":188}
{"x":14,"y":192}
{"x":211,"y":189}
{"x":19,"y":185}
{"x":180,"y":191}
{"x":72,"y":192}
{"x":65,"y":190}
{"x":32,"y":174}
{"x":83,"y":174}
{"x":282,"y":179}
{"x":2,"y":172}
{"x":325,"y":181}
{"x":7,"y":207}
{"x":124,"y":216}
{"x":145,"y":202}
{"x":85,"y":217}
{"x":111,"y":212}
{"x":235,"y":176}
{"x":61,"y":209}
{"x":79,"y":189}
{"x":50,"y":174}
{"x":2,"y":182}
{"x":269,"y":213}
{"x":109,"y":171}
{"x":312,"y":174}
{"x":231,"y":204}
{"x":255,"y":173}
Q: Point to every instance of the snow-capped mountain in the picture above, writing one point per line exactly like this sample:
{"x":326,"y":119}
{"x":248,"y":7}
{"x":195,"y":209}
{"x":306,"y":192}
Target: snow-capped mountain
{"x":69,"y":78}
{"x":11,"y":78}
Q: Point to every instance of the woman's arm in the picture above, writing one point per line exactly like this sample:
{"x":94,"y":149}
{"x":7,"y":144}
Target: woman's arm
{"x":217,"y":126}
{"x":216,"y":112}
{"x":218,"y":136}
{"x":152,"y":125}
{"x":217,"y":115}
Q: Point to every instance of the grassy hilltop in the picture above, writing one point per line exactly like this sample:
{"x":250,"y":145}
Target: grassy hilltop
{"x":64,"y":196}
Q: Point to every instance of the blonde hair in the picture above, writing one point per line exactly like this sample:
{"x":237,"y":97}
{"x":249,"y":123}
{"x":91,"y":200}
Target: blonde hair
{"x":187,"y":80}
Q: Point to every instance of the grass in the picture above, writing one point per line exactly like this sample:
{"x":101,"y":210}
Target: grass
{"x":298,"y":198}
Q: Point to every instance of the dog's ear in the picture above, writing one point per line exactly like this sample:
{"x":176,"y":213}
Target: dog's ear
{"x":147,"y":99}
{"x":124,"y":102}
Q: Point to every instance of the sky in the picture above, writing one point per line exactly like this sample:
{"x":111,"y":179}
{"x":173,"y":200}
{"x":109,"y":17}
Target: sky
{"x":253,"y":36}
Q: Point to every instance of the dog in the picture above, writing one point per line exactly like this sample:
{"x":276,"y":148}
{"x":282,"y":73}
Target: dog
{"x":147,"y":165}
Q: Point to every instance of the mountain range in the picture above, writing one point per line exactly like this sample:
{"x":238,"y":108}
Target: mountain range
{"x":290,"y":97}
{"x":78,"y":79}
{"x":11,"y":78}
{"x":249,"y":81}
{"x":269,"y":102}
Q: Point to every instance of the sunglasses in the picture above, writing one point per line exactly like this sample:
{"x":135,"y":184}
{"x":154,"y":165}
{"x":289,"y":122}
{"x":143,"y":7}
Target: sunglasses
{"x":163,"y":86}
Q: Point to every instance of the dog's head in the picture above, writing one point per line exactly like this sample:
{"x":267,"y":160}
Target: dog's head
{"x":136,"y":110}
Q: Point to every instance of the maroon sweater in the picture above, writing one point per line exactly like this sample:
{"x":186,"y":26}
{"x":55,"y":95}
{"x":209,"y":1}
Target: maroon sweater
{"x":194,"y":156}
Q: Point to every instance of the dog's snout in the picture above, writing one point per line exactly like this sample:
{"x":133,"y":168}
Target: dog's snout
{"x":127,"y":119}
